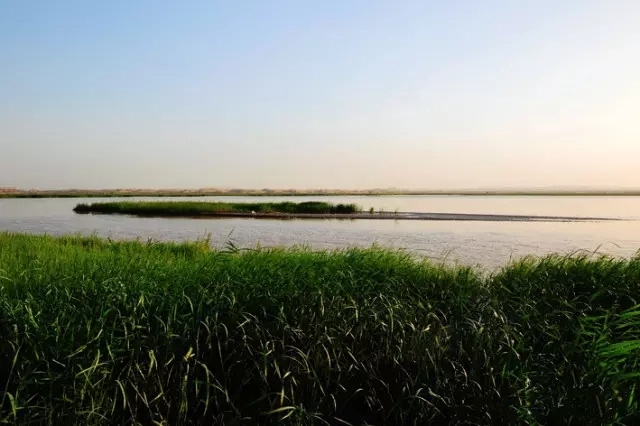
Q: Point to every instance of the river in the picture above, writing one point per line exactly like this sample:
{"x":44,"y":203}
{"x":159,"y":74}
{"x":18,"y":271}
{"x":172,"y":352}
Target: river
{"x":489,"y":244}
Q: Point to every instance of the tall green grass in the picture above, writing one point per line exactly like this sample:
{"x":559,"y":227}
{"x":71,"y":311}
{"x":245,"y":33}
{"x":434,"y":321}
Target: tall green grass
{"x":196,"y":208}
{"x":101,"y":332}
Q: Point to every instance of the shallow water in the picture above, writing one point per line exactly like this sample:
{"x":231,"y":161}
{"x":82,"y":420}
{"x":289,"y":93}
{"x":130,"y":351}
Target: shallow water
{"x":490,"y":244}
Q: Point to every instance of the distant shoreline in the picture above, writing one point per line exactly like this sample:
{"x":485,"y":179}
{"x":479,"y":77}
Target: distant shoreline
{"x":109,"y":193}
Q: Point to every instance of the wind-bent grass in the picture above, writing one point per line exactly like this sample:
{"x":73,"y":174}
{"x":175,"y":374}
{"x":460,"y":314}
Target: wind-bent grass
{"x":100,"y":332}
{"x":197,"y":208}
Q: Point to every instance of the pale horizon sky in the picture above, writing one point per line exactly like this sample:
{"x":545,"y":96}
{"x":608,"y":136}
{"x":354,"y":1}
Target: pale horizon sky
{"x":320,"y":94}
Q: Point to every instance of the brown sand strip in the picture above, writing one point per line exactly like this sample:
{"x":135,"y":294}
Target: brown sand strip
{"x":385,"y":216}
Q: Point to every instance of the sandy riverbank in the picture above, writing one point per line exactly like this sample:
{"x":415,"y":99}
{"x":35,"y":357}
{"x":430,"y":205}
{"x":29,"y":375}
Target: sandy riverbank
{"x":384,"y":216}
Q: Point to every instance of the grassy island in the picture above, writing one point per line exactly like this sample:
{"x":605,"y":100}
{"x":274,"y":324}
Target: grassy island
{"x":290,"y":210}
{"x":202,"y":208}
{"x":101,"y":332}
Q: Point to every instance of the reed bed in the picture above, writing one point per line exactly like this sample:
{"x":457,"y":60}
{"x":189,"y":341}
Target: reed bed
{"x":200,"y":208}
{"x":101,"y":332}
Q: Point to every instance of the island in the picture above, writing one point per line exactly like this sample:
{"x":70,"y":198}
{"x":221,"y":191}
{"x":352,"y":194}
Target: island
{"x":291,"y":210}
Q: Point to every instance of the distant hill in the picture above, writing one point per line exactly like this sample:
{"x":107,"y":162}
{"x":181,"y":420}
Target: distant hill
{"x":78,"y":193}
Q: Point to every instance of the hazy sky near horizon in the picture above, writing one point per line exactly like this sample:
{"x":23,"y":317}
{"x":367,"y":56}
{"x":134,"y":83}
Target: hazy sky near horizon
{"x":328,"y":93}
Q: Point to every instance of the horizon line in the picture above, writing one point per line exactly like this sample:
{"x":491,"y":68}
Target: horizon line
{"x":8,"y":191}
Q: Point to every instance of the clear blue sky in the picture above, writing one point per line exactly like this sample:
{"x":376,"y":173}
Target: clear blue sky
{"x":320,"y":94}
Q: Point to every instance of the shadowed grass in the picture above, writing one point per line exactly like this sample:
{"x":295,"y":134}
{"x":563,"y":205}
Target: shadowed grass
{"x":100,"y":332}
{"x":197,"y":208}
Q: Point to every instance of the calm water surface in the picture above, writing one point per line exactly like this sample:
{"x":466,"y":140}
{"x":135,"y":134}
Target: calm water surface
{"x":490,"y":244}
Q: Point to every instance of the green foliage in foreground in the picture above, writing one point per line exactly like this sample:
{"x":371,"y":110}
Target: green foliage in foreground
{"x":100,"y":332}
{"x":195,"y":208}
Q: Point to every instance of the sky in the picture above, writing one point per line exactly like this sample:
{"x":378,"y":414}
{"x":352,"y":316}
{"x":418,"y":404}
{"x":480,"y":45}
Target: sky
{"x":320,"y":94}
